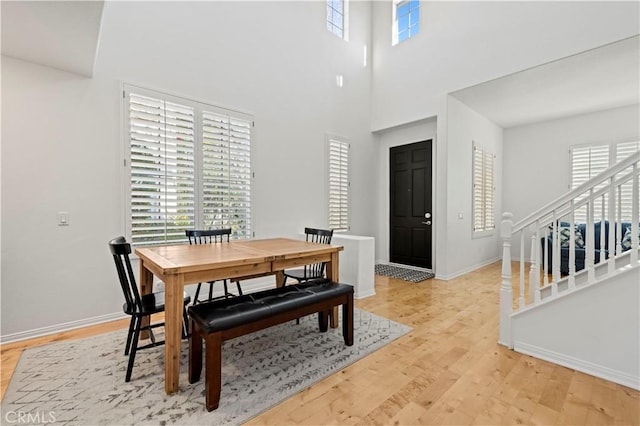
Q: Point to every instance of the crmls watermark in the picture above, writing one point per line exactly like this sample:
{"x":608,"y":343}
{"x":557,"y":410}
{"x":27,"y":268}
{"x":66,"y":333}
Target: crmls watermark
{"x":29,"y":418}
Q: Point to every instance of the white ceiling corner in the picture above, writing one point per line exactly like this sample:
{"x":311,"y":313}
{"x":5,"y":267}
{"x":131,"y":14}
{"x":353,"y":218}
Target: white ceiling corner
{"x":602,"y":78}
{"x":58,"y":34}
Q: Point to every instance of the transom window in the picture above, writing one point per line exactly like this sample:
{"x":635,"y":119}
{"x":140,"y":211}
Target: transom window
{"x":188,"y":165}
{"x":406,"y":20}
{"x":337,"y":17}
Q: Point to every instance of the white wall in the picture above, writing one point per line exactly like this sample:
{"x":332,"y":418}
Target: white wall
{"x":461,"y":44}
{"x":536,"y":156}
{"x":603,"y":321}
{"x":455,"y":249}
{"x":464,"y":250}
{"x":62,"y":146}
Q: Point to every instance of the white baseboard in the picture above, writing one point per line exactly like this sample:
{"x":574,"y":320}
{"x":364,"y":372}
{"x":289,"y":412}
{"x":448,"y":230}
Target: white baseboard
{"x":587,"y":367}
{"x":58,"y":328}
{"x":447,"y":277}
{"x":248,"y":286}
{"x":362,"y":295}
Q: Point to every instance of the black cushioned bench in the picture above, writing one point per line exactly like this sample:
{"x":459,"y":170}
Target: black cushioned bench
{"x":225,"y":319}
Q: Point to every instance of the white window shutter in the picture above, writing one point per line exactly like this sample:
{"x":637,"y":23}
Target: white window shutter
{"x":162,"y":170}
{"x":623,"y":150}
{"x":489,"y":190}
{"x":189,"y":168}
{"x":586,"y":163}
{"x":338,"y":185}
{"x":483,"y":190}
{"x":226,"y":173}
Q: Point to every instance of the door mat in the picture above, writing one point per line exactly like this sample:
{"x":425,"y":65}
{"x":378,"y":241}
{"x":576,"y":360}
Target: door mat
{"x":405,"y":274}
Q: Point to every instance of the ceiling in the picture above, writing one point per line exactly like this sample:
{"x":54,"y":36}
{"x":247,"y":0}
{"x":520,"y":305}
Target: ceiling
{"x":598,"y":79}
{"x":65,"y":35}
{"x":61,"y":34}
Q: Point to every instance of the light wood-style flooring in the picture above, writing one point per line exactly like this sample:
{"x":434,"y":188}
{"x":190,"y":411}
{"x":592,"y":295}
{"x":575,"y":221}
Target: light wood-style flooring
{"x":448,"y":371}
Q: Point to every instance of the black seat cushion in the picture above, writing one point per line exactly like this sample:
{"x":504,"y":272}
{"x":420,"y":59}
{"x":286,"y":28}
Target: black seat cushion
{"x":229,"y":313}
{"x":223,"y":315}
{"x":325,"y":289}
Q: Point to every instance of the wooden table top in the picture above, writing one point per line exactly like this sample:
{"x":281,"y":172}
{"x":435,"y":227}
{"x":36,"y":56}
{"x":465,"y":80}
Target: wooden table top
{"x":181,"y":258}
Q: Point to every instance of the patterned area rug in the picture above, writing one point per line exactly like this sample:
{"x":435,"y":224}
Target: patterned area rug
{"x":82,"y":382}
{"x":405,"y":274}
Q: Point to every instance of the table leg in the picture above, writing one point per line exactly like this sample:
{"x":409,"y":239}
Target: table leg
{"x":146,"y":287}
{"x":174,"y":303}
{"x":333,"y":268}
{"x":279,"y":278}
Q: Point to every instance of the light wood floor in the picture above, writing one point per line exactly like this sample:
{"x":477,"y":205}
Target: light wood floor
{"x":449,"y":370}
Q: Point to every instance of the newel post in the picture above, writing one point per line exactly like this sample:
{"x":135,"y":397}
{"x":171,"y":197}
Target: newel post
{"x":506,"y":292}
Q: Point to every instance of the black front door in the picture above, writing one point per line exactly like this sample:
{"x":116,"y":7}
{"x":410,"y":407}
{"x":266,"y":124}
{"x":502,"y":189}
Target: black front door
{"x":410,"y":210}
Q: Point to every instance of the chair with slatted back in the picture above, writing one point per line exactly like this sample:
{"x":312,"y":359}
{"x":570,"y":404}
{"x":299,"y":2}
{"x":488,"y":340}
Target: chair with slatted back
{"x":211,"y":236}
{"x":137,"y":306}
{"x":316,"y":270}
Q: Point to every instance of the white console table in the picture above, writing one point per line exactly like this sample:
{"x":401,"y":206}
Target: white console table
{"x":357,"y":263}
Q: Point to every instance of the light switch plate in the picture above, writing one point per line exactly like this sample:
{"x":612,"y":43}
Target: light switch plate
{"x":63,"y":218}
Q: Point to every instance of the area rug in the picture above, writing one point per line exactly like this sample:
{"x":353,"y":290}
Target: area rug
{"x":82,"y":382}
{"x":405,"y":274}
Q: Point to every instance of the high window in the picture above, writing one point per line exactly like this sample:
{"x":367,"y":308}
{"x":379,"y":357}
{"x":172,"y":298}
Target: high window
{"x":338,"y":185}
{"x":337,"y":17}
{"x":587,"y":161}
{"x":406,"y":20}
{"x":188,"y":165}
{"x":483,"y":191}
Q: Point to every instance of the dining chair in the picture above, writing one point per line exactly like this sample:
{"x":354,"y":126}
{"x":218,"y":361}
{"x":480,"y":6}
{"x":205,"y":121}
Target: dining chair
{"x":136,"y":306}
{"x":315,"y":270}
{"x":211,"y":236}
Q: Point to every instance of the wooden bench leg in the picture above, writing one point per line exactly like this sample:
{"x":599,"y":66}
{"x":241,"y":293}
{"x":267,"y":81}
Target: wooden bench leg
{"x":323,"y":321}
{"x":195,"y":354}
{"x":347,"y":321}
{"x":213,"y":370}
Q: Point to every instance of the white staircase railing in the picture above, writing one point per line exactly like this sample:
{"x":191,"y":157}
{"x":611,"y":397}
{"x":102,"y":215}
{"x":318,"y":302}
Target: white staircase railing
{"x":558,"y":260}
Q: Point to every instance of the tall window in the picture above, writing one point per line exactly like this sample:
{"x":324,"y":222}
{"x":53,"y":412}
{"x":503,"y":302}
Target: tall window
{"x":406,"y":20}
{"x":483,"y":191}
{"x":337,"y":17}
{"x":590,"y":160}
{"x":188,"y":166}
{"x":338,"y":185}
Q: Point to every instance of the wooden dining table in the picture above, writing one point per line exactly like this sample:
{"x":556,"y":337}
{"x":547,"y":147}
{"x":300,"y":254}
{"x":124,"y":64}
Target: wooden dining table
{"x":181,"y":264}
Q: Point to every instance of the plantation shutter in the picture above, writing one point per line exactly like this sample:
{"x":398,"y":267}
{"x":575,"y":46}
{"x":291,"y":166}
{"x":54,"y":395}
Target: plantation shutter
{"x":483,"y":190}
{"x":586,"y":163}
{"x":162,"y":167}
{"x":227,"y":173}
{"x":623,"y":150}
{"x":338,"y":185}
{"x":189,"y":167}
{"x":489,"y":190}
